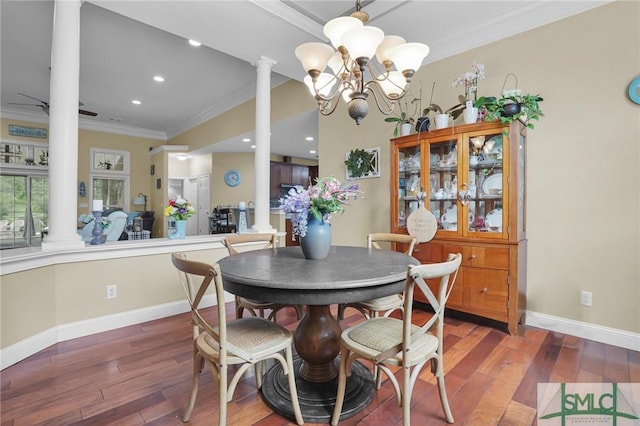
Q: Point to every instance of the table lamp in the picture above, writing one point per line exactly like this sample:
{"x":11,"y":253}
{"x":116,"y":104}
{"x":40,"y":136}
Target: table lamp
{"x":140,"y":200}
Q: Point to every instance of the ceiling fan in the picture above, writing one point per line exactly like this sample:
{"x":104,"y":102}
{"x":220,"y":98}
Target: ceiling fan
{"x":44,"y":106}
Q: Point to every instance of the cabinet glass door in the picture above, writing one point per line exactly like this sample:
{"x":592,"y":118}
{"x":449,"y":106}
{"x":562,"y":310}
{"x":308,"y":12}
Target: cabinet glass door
{"x":486,"y":180}
{"x":409,"y":182}
{"x":443,"y":183}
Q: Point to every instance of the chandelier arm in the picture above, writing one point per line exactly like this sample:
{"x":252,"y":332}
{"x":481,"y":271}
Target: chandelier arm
{"x":388,"y":106}
{"x":375,"y":83}
{"x":327,"y":103}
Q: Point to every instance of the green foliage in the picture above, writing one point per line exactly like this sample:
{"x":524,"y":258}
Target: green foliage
{"x":529,"y":108}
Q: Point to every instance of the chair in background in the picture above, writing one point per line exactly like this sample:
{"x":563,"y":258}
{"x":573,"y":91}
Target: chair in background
{"x":244,"y":342}
{"x":391,"y":342}
{"x":256,"y":307}
{"x":388,"y":304}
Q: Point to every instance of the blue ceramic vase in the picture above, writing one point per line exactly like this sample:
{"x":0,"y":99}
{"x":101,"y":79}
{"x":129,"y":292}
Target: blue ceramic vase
{"x":317,"y":243}
{"x":178,"y":232}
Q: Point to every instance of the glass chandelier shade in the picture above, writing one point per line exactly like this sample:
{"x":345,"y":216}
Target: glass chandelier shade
{"x":356,"y":45}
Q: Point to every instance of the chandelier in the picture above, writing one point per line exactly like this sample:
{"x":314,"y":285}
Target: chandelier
{"x":356,"y":45}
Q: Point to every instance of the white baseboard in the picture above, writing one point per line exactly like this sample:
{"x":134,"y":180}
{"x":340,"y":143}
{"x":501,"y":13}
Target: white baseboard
{"x":585,"y":330}
{"x":34,"y":344}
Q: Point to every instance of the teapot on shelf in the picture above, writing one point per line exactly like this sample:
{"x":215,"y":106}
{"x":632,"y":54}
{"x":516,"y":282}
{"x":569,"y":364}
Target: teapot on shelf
{"x":438,"y":194}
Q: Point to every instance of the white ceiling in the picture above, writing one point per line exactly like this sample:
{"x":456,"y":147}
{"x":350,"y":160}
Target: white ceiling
{"x":123,"y":44}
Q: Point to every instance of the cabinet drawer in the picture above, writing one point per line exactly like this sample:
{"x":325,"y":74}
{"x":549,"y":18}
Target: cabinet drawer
{"x":428,"y":252}
{"x":481,"y":257}
{"x":486,"y":291}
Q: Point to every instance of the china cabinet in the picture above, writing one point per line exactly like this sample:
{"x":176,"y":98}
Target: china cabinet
{"x":472,"y":178}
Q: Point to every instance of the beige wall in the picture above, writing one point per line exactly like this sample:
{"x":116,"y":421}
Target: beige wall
{"x":583,"y":204}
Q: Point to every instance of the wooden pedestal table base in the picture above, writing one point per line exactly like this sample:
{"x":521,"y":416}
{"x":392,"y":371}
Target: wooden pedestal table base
{"x":317,"y":341}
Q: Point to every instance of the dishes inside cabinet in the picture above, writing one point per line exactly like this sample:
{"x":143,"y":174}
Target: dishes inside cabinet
{"x":494,"y":219}
{"x":493,"y":184}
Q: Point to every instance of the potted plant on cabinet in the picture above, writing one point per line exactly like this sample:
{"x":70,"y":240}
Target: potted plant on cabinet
{"x":511,"y":107}
{"x":404,"y":121}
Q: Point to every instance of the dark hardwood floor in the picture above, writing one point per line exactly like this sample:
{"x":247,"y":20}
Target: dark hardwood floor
{"x":141,"y":375}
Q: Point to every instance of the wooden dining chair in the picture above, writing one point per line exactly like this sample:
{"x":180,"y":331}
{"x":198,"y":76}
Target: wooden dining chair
{"x":256,"y":308}
{"x":391,"y":342}
{"x":387,"y":304}
{"x":245,"y":342}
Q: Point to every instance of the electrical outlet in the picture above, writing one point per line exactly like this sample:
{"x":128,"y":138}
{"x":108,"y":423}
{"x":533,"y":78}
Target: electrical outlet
{"x":112,"y":291}
{"x":586,"y":298}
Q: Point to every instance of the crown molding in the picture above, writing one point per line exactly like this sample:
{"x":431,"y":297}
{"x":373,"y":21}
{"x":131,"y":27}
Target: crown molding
{"x":85,"y":124}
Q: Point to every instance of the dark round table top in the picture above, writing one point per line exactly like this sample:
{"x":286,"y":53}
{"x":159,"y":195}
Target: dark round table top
{"x":283,"y":275}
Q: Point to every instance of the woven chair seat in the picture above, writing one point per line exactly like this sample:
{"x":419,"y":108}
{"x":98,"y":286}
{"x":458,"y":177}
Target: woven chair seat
{"x":254,"y":335}
{"x":381,"y":304}
{"x":380,"y":334}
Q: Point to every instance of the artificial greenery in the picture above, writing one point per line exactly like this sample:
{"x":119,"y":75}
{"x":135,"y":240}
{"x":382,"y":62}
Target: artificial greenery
{"x":495,"y":108}
{"x":359,"y":162}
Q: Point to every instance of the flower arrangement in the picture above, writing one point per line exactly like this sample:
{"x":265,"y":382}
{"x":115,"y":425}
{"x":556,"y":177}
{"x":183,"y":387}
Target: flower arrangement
{"x":88,"y":218}
{"x":179,"y":209}
{"x":325,"y":197}
{"x":470,"y":80}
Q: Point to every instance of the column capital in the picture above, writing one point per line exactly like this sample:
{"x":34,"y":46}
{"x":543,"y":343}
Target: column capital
{"x":264,"y":60}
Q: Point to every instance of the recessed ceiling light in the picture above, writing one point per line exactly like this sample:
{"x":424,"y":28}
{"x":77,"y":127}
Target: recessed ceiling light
{"x":136,"y":102}
{"x":158,"y":78}
{"x":195,"y":43}
{"x":313,"y":151}
{"x":309,"y":138}
{"x":246,"y":140}
{"x":253,"y":147}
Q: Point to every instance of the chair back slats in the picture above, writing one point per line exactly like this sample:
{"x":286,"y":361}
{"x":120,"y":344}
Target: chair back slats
{"x":416,"y":277}
{"x":374,"y":240}
{"x":187,"y":270}
{"x":229,"y":242}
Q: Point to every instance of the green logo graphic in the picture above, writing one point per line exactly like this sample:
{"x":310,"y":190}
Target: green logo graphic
{"x":588,"y":403}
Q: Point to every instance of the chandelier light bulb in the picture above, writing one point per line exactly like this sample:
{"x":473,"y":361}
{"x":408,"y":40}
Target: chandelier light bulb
{"x":335,"y":28}
{"x":409,"y":56}
{"x":362,"y":42}
{"x":324,"y":84}
{"x":392,"y":84}
{"x":388,"y":43}
{"x":314,"y":56}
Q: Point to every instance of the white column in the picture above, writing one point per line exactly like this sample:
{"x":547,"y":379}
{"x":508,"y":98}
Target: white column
{"x":63,"y":127}
{"x":263,"y":145}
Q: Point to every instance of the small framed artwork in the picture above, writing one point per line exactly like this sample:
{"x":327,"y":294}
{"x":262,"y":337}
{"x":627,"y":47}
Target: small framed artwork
{"x":152,"y":170}
{"x":158,"y":183}
{"x":362,"y":163}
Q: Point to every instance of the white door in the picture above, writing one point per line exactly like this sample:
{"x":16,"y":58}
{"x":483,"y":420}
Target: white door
{"x":191,"y":194}
{"x":204,"y":204}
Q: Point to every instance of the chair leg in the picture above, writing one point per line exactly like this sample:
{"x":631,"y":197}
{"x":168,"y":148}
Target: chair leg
{"x":342,"y":385}
{"x":443,"y":392}
{"x":406,"y":396}
{"x":197,"y":368}
{"x":341,"y":308}
{"x":292,"y":386}
{"x":222,"y":417}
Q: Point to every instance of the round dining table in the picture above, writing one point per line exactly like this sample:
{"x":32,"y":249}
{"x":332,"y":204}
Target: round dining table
{"x":284,"y":275}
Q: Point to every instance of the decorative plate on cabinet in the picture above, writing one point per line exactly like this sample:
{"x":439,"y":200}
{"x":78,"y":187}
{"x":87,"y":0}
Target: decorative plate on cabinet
{"x":493,"y":184}
{"x":494,"y":218}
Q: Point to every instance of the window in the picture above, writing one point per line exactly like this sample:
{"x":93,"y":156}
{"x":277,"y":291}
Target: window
{"x":110,"y":178}
{"x":24,"y":214}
